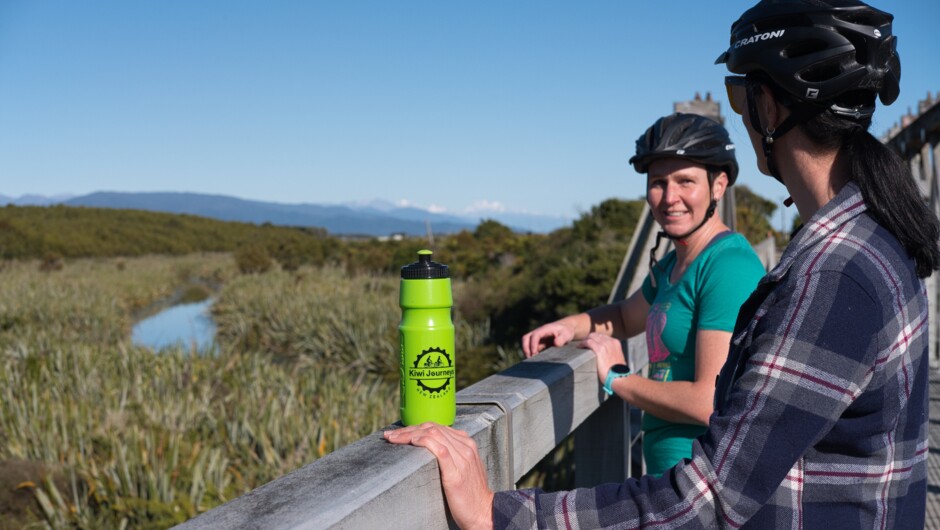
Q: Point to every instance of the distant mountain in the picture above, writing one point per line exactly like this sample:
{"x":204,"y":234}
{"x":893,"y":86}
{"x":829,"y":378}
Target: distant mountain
{"x":518,"y":221}
{"x":536,"y":223}
{"x":34,"y":200}
{"x":337,"y":220}
{"x":408,"y":212}
{"x":370,"y":218}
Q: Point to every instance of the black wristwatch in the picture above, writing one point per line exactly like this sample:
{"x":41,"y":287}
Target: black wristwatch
{"x":616,"y":372}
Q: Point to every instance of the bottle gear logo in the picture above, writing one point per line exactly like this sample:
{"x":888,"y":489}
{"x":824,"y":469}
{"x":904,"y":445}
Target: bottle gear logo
{"x":433,"y":371}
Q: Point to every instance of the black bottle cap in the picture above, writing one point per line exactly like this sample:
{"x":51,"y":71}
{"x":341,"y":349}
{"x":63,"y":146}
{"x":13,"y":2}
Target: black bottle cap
{"x":424,"y":268}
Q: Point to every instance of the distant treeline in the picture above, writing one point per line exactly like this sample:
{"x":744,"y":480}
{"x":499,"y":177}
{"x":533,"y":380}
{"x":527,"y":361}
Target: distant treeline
{"x":28,"y":232}
{"x":515,"y":280}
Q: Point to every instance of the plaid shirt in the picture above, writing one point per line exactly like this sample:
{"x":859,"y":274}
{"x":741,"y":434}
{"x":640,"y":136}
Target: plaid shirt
{"x":821,"y":409}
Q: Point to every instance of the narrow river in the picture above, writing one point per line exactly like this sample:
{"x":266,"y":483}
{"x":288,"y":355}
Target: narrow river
{"x":187,"y":325}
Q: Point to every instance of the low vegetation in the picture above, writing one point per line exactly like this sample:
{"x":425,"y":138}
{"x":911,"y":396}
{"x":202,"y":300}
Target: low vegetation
{"x":103,"y":433}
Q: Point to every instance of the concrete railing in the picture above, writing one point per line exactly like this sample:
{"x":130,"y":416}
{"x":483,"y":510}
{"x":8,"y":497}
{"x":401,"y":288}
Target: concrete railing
{"x":516,"y":418}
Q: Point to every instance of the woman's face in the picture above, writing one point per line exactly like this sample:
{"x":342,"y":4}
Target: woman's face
{"x":679,"y":195}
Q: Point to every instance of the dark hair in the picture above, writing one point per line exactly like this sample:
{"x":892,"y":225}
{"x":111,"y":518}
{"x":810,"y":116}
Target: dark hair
{"x":886,"y":183}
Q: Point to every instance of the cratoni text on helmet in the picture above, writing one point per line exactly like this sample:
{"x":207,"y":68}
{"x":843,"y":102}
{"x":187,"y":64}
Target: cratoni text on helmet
{"x":763,"y":36}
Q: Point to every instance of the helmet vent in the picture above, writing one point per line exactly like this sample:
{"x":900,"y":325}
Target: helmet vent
{"x":782,"y":21}
{"x":821,"y":72}
{"x":801,"y":48}
{"x":861,"y":18}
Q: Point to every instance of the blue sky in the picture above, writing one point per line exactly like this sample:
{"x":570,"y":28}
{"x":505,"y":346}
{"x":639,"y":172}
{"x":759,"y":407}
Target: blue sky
{"x":524,"y":105}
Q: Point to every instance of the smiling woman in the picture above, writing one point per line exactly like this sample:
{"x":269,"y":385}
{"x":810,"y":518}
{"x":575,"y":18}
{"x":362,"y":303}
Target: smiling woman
{"x":687,"y":304}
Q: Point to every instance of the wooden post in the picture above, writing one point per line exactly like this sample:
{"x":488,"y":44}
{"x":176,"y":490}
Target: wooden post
{"x":599,"y":443}
{"x":931,"y":167}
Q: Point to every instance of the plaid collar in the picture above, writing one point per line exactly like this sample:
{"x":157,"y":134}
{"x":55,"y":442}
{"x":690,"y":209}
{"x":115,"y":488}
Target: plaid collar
{"x":845,"y":206}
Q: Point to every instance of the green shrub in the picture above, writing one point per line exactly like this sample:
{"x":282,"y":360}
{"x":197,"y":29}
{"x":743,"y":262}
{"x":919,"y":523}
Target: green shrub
{"x":51,"y":262}
{"x":253,"y":259}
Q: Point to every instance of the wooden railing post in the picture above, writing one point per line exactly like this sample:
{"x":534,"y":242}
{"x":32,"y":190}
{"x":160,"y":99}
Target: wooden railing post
{"x":600,"y":455}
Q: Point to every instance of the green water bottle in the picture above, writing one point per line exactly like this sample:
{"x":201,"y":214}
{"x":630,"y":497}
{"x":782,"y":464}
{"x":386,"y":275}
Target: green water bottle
{"x":426,"y":333}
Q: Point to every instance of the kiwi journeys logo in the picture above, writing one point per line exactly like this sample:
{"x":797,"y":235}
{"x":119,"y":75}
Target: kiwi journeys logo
{"x":433,"y":371}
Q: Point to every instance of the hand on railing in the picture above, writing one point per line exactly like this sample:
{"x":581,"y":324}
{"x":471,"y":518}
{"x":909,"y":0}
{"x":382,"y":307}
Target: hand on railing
{"x":609,"y":351}
{"x":462,"y":473}
{"x":552,"y":334}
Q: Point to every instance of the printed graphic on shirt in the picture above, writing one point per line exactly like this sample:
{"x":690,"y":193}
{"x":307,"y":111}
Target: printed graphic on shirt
{"x":661,"y":371}
{"x":655,"y":324}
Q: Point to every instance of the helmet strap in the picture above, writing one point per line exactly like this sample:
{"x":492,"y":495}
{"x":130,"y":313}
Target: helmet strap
{"x":767,"y":140}
{"x":712,"y":206}
{"x":798,"y":115}
{"x":681,"y":240}
{"x":654,"y":263}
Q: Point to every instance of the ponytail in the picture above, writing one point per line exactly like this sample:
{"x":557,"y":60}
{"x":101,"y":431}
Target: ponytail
{"x":886,"y":183}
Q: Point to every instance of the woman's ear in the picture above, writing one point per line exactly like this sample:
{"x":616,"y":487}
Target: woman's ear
{"x":719,"y":186}
{"x":768,"y":109}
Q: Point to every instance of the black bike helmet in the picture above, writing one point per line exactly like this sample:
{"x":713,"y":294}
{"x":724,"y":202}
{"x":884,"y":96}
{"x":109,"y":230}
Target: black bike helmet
{"x":833,"y":55}
{"x":819,"y":50}
{"x":689,"y":136}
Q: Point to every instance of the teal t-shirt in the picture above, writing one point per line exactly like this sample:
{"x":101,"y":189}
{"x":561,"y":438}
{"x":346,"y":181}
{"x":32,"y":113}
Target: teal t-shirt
{"x":706,"y":297}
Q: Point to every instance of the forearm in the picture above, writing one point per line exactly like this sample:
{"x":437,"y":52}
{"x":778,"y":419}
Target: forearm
{"x":579,"y":324}
{"x":637,"y":503}
{"x":610,"y":320}
{"x":675,"y":401}
{"x":604,"y":319}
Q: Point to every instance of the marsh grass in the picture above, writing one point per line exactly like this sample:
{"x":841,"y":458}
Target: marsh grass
{"x":327,"y":316}
{"x":92,"y":301}
{"x":152,"y":440}
{"x":126,"y":437}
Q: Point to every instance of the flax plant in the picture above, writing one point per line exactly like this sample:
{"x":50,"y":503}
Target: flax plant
{"x":326,"y":316}
{"x":132,"y":438}
{"x":155,"y":439}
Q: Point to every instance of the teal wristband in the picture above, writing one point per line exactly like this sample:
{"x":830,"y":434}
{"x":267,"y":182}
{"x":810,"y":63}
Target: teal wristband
{"x":616,"y":372}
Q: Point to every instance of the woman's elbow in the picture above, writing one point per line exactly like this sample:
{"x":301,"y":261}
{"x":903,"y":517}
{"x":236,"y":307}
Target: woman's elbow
{"x":703,"y":409}
{"x":702,"y":417}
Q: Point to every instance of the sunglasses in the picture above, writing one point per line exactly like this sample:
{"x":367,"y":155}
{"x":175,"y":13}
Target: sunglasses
{"x":736,"y":85}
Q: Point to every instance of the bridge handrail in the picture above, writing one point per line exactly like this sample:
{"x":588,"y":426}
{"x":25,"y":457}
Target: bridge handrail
{"x":516,"y":417}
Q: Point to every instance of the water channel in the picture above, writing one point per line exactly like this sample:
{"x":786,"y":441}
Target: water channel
{"x":189,"y":326}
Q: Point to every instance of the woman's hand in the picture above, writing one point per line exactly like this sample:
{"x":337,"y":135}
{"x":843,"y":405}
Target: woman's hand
{"x":552,"y":334}
{"x":608,"y":350}
{"x":462,"y":473}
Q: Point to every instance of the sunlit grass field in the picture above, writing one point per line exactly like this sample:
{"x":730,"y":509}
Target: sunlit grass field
{"x":98,"y":433}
